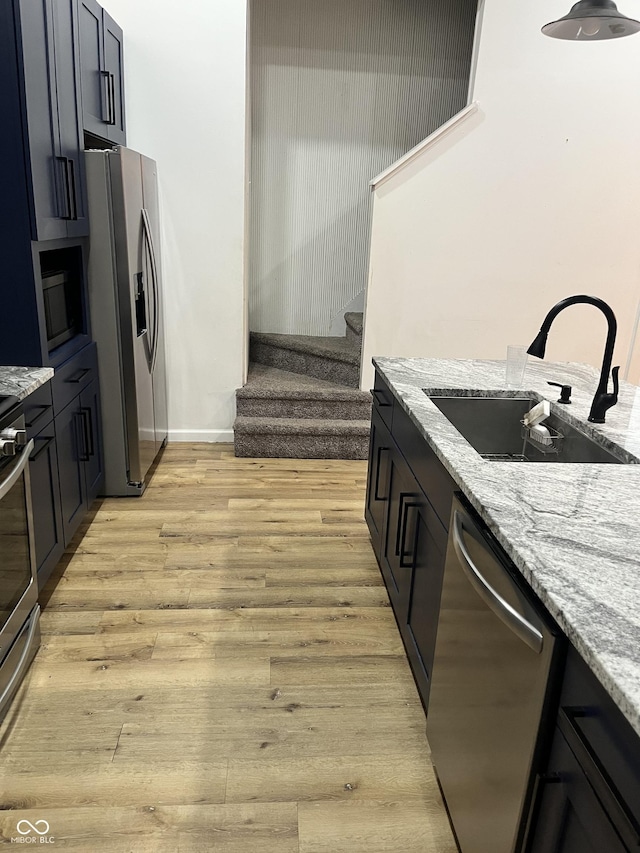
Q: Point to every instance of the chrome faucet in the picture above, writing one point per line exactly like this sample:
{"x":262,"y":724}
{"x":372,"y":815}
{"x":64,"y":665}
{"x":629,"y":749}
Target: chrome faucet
{"x":602,"y":399}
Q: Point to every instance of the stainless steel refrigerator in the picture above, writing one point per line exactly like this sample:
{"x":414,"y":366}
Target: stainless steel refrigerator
{"x":125,"y":305}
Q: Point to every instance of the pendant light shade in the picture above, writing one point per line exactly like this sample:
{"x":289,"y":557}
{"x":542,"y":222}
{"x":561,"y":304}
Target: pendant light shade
{"x":592,"y":20}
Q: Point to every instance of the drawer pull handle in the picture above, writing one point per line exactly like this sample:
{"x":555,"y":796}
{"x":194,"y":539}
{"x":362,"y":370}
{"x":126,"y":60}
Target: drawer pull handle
{"x":43,"y":410}
{"x":47,"y":441}
{"x":380,"y":398}
{"x":75,"y":380}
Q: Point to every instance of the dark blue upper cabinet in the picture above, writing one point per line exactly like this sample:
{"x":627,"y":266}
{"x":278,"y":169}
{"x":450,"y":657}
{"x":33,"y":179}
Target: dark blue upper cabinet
{"x":114,"y":64}
{"x":102,"y":72}
{"x":69,"y":111}
{"x":48,"y":62}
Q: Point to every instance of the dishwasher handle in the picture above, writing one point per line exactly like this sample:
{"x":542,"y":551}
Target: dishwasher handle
{"x":527,"y":632}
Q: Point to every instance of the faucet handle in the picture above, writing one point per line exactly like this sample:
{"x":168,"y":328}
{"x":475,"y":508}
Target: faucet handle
{"x":603,"y":400}
{"x":616,"y":383}
{"x":565,"y":393}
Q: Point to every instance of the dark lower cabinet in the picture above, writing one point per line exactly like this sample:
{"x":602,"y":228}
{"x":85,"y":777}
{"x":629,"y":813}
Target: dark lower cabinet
{"x":79,"y":457}
{"x":71,"y":455}
{"x":407,"y":535}
{"x":45,"y":500}
{"x":92,"y":446}
{"x":396,"y":556}
{"x":428,"y":557}
{"x":589,"y":798}
{"x":66,"y":465}
{"x":377,"y":478}
{"x":571,"y":818}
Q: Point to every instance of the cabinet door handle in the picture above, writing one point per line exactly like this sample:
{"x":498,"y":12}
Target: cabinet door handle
{"x":47,"y":441}
{"x":376,"y":496}
{"x":64,"y":209}
{"x":112,"y":98}
{"x":604,"y":788}
{"x":380,"y":398}
{"x":401,"y":535}
{"x":73,"y":196}
{"x":81,"y":430}
{"x":105,"y":96}
{"x":407,"y":555}
{"x":86,"y":416}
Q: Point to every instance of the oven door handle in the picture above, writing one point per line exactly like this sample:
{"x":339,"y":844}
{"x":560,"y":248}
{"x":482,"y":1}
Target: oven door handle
{"x":7,"y":484}
{"x":19,"y":671}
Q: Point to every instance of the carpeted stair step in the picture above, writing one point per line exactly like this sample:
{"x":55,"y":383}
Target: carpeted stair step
{"x":330,"y":358}
{"x":353,"y":319}
{"x":274,"y":393}
{"x":301,"y":438}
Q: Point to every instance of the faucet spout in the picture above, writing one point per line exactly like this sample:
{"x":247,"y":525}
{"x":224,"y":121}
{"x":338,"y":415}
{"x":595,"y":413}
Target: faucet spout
{"x":602,"y":400}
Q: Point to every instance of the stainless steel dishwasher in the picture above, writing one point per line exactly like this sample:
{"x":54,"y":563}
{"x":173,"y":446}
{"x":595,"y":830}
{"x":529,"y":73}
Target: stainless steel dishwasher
{"x":493,"y":656}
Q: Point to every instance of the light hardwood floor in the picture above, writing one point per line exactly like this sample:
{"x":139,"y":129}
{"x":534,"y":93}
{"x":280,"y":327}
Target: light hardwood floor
{"x":220,"y":670}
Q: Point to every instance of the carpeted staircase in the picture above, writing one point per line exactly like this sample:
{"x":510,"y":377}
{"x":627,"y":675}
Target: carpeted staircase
{"x":302,"y":399}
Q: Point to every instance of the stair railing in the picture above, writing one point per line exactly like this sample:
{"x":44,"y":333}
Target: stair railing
{"x":427,"y":142}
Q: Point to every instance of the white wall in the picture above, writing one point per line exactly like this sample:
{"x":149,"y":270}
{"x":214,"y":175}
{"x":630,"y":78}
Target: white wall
{"x":340,"y":89}
{"x":535,"y":198}
{"x":185,"y":80}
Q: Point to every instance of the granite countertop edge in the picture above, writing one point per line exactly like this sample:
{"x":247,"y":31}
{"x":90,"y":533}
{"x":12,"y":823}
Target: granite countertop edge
{"x":22,"y":381}
{"x":570,"y":529}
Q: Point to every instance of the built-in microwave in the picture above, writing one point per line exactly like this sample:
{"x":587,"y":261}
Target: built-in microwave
{"x":62,"y":307}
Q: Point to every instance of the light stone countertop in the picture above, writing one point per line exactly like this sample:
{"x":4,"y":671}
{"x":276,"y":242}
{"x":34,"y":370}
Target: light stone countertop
{"x":573,"y":530}
{"x":22,"y":381}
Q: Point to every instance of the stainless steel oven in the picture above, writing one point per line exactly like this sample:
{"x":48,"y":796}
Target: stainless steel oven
{"x":19,"y":610}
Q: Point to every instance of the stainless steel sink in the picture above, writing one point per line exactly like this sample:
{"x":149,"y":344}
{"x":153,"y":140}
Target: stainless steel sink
{"x":492,"y":426}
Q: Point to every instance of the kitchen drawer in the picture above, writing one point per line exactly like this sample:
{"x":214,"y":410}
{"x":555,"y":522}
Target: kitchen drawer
{"x":383,"y":400}
{"x":430,"y":473}
{"x":74,"y":376}
{"x":38,"y":409}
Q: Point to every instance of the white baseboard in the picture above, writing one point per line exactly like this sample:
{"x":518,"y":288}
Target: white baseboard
{"x":216,"y":436}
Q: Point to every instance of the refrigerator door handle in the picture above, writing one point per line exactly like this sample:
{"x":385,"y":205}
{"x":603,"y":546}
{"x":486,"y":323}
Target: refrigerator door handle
{"x":154,"y":286}
{"x":141,"y":307}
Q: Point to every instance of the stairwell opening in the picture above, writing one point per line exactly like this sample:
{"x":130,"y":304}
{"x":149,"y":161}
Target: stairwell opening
{"x":340,"y":89}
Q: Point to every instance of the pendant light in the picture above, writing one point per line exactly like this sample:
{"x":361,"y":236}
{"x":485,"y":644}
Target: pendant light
{"x":592,"y":20}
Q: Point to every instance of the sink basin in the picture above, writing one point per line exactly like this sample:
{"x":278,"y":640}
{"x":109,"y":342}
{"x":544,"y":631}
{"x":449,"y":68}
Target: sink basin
{"x":492,"y":427}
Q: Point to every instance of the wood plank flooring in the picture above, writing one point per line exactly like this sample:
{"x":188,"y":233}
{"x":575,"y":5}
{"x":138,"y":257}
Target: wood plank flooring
{"x":220,"y":670}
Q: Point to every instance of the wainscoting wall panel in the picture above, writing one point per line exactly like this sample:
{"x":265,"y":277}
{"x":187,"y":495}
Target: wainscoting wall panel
{"x":340,"y":89}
